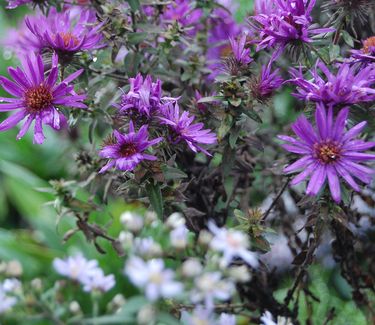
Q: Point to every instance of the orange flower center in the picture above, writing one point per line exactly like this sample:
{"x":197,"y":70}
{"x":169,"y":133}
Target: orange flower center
{"x":38,"y":98}
{"x":327,"y":152}
{"x":67,"y":38}
{"x":128,"y":149}
{"x":226,"y":51}
{"x":369,"y":45}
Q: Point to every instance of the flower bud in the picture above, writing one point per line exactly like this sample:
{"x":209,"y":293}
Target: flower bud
{"x":191,"y":267}
{"x":132,"y":221}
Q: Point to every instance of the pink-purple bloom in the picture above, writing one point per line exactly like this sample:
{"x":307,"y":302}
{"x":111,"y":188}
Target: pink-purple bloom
{"x":222,"y":28}
{"x":184,"y":13}
{"x":144,"y":97}
{"x":37,"y":96}
{"x":367,"y":53}
{"x":182,"y":128}
{"x":266,"y":83}
{"x":67,"y":32}
{"x":240,"y":53}
{"x":126,"y":151}
{"x":349,"y":86}
{"x":282,"y":22}
{"x":21,"y":41}
{"x":328,"y":152}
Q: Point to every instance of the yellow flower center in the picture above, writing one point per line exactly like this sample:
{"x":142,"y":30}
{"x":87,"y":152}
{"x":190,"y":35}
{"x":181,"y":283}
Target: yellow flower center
{"x":327,"y":152}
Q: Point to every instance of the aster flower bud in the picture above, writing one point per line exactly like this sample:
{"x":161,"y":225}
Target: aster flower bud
{"x":204,"y":238}
{"x":126,"y":238}
{"x":191,"y":268}
{"x":146,"y":315}
{"x":75,"y":308}
{"x":175,"y":220}
{"x":239,"y":273}
{"x":132,"y":221}
{"x":37,"y":284}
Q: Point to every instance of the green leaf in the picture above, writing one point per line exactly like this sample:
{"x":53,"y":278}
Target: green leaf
{"x":134,"y":4}
{"x":347,"y":38}
{"x":136,"y":38}
{"x":253,"y":115}
{"x":334,"y":52}
{"x":210,"y":99}
{"x":172,"y":173}
{"x":156,"y":199}
{"x":226,"y":125}
{"x":167,"y":319}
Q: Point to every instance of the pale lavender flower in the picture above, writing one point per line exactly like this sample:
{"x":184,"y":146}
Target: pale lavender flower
{"x":147,"y":247}
{"x":349,"y":86}
{"x":233,"y":244}
{"x":67,"y":32}
{"x":132,"y":221}
{"x":210,"y":286}
{"x":182,"y":129}
{"x":179,"y":237}
{"x":76,"y":267}
{"x":10,"y":285}
{"x":98,"y":281}
{"x":199,"y":316}
{"x":328,"y":152}
{"x":6,"y":302}
{"x":267,"y":318}
{"x":37,"y":96}
{"x":227,"y":319}
{"x":153,"y":278}
{"x":126,"y":151}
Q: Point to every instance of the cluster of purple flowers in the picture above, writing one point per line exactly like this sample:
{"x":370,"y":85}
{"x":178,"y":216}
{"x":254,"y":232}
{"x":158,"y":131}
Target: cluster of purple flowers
{"x":144,"y":100}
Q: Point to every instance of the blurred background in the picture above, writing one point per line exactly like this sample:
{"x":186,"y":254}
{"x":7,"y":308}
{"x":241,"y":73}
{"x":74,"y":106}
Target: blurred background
{"x":31,"y":233}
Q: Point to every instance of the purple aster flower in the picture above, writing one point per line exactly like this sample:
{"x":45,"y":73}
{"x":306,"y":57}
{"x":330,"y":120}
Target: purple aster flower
{"x":183,"y":12}
{"x":367,"y":53}
{"x":266,"y":83}
{"x":37,"y":96}
{"x":240,"y":53}
{"x":21,"y":41}
{"x":126,"y":151}
{"x":282,"y":22}
{"x":67,"y":32}
{"x":182,"y":129}
{"x":144,"y":97}
{"x":349,"y":86}
{"x":222,"y":28}
{"x":328,"y":152}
